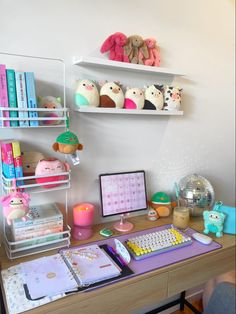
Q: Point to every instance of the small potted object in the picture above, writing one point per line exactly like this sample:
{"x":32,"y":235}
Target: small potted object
{"x":161,"y":202}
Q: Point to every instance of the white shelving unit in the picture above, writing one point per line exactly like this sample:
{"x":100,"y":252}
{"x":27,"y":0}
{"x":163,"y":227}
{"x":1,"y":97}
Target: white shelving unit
{"x":129,"y":111}
{"x":103,"y":64}
{"x":29,"y":184}
{"x":123,"y":66}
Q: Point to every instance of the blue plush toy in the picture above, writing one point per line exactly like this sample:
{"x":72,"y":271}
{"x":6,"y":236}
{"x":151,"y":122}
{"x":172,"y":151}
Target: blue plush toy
{"x":213,"y":222}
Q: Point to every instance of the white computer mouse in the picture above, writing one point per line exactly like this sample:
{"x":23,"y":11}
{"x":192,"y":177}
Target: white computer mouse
{"x":202,"y":238}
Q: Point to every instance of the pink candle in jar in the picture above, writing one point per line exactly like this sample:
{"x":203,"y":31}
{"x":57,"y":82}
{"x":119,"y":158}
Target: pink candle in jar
{"x":83,"y":214}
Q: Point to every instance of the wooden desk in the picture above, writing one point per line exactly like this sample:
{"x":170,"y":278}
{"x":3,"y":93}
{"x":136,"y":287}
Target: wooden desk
{"x":145,"y":290}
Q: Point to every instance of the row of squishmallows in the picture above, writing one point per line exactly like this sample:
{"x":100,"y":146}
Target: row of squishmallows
{"x":153,"y":97}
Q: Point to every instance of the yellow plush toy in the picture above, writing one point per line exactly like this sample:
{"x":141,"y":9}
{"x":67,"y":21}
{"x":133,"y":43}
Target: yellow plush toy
{"x":136,"y":49}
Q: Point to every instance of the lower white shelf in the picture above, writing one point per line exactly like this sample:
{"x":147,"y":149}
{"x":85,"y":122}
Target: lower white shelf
{"x":130,"y":111}
{"x":16,"y":249}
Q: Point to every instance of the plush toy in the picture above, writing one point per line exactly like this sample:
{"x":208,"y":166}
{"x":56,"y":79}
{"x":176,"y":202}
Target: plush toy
{"x":154,"y":97}
{"x":86,"y":94}
{"x":30,"y":161}
{"x":67,"y":143}
{"x":115,"y":43}
{"x":51,"y":166}
{"x":161,"y":202}
{"x":135,"y":48}
{"x":134,"y":98}
{"x":213,"y":222}
{"x":15,"y":205}
{"x":172,"y":98}
{"x":50,"y":102}
{"x":153,"y":51}
{"x":111,"y":95}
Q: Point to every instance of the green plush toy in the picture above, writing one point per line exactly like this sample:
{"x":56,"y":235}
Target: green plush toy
{"x":161,"y":202}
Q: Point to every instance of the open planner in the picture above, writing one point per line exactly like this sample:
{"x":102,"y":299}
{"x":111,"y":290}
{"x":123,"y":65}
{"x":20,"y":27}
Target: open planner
{"x":67,"y":271}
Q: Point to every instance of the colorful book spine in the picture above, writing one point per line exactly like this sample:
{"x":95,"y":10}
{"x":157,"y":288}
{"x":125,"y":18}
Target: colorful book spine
{"x":3,"y":96}
{"x":35,"y":228}
{"x":17,"y":159}
{"x":21,"y":98}
{"x":39,"y":233}
{"x":8,"y":168}
{"x":12,"y":99}
{"x":31,"y":97}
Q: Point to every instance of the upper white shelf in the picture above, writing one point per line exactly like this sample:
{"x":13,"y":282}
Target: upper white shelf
{"x":109,"y":64}
{"x":129,"y":111}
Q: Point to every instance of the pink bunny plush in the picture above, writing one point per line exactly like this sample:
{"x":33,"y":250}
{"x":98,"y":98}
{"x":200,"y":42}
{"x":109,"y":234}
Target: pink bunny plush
{"x":15,"y":205}
{"x":115,"y":43}
{"x":154,"y":53}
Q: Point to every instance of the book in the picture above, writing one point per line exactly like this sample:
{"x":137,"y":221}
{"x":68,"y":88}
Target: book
{"x":8,"y":168}
{"x":68,"y":270}
{"x":39,"y":214}
{"x":12,"y":100}
{"x":17,"y":159}
{"x":31,"y":97}
{"x":21,"y":98}
{"x":3,"y":96}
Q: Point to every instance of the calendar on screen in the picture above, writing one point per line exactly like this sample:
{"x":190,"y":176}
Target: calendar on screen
{"x":123,"y":192}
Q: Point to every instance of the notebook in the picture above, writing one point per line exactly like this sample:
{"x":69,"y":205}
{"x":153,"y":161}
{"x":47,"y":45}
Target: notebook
{"x":67,"y":271}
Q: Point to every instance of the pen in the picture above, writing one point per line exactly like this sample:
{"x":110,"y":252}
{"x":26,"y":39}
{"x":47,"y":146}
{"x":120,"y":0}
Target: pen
{"x":113,"y":252}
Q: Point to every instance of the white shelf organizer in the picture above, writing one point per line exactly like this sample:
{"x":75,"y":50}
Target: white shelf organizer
{"x":29,"y":184}
{"x":58,"y":121}
{"x":132,"y":68}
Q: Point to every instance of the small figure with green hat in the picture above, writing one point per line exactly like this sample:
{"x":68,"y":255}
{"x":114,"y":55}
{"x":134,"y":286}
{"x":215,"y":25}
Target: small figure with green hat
{"x":161,"y":202}
{"x":68,"y":143}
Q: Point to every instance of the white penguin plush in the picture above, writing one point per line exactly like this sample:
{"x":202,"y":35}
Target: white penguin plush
{"x":111,"y":96}
{"x":154,"y":98}
{"x":86,"y":94}
{"x":134,"y":98}
{"x":172,"y":98}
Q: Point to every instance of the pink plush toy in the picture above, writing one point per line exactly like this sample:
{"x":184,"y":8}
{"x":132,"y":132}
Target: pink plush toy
{"x":15,"y":205}
{"x":115,"y":43}
{"x":48,"y":167}
{"x":154,"y":53}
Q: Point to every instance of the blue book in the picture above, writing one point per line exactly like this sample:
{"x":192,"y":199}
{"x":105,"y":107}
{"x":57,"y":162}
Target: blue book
{"x":21,"y":98}
{"x":31,"y":97}
{"x":12,"y":99}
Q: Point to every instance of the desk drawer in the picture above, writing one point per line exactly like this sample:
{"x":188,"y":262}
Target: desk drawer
{"x":118,"y":298}
{"x":201,"y":270}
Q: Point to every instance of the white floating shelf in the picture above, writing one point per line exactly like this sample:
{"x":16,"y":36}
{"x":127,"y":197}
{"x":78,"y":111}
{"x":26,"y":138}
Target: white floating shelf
{"x":109,"y":64}
{"x":130,"y":111}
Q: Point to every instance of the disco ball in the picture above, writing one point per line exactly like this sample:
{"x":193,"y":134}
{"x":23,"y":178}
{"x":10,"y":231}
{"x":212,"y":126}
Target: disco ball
{"x":196,"y":193}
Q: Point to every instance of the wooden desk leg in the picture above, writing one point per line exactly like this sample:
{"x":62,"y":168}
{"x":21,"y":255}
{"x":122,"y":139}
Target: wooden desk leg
{"x":2,"y":307}
{"x":181,"y":301}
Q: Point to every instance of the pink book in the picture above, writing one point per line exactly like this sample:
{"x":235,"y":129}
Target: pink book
{"x":3,"y":95}
{"x":8,"y":168}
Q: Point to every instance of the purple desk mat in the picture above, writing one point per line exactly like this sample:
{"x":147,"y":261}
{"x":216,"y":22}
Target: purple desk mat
{"x":163,"y":259}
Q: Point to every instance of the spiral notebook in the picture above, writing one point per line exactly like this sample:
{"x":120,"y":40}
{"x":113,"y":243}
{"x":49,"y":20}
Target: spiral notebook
{"x":67,"y":271}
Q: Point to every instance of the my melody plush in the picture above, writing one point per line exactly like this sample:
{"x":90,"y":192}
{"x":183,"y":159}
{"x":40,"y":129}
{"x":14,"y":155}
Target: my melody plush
{"x":50,"y":102}
{"x":172,"y":98}
{"x":111,"y":95}
{"x":136,"y":49}
{"x":86,"y":94}
{"x":154,"y":97}
{"x":115,"y":45}
{"x":154,"y":53}
{"x":134,"y":98}
{"x":48,"y":167}
{"x":15,"y":205}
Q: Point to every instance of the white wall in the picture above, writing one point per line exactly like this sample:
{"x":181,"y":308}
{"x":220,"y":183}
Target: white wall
{"x":196,"y":37}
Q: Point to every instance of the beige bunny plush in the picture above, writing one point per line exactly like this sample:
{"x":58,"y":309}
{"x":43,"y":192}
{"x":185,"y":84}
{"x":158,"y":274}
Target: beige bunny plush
{"x":134,"y":48}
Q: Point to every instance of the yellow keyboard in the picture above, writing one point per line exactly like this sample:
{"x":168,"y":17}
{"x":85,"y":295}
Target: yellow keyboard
{"x":157,"y":242}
